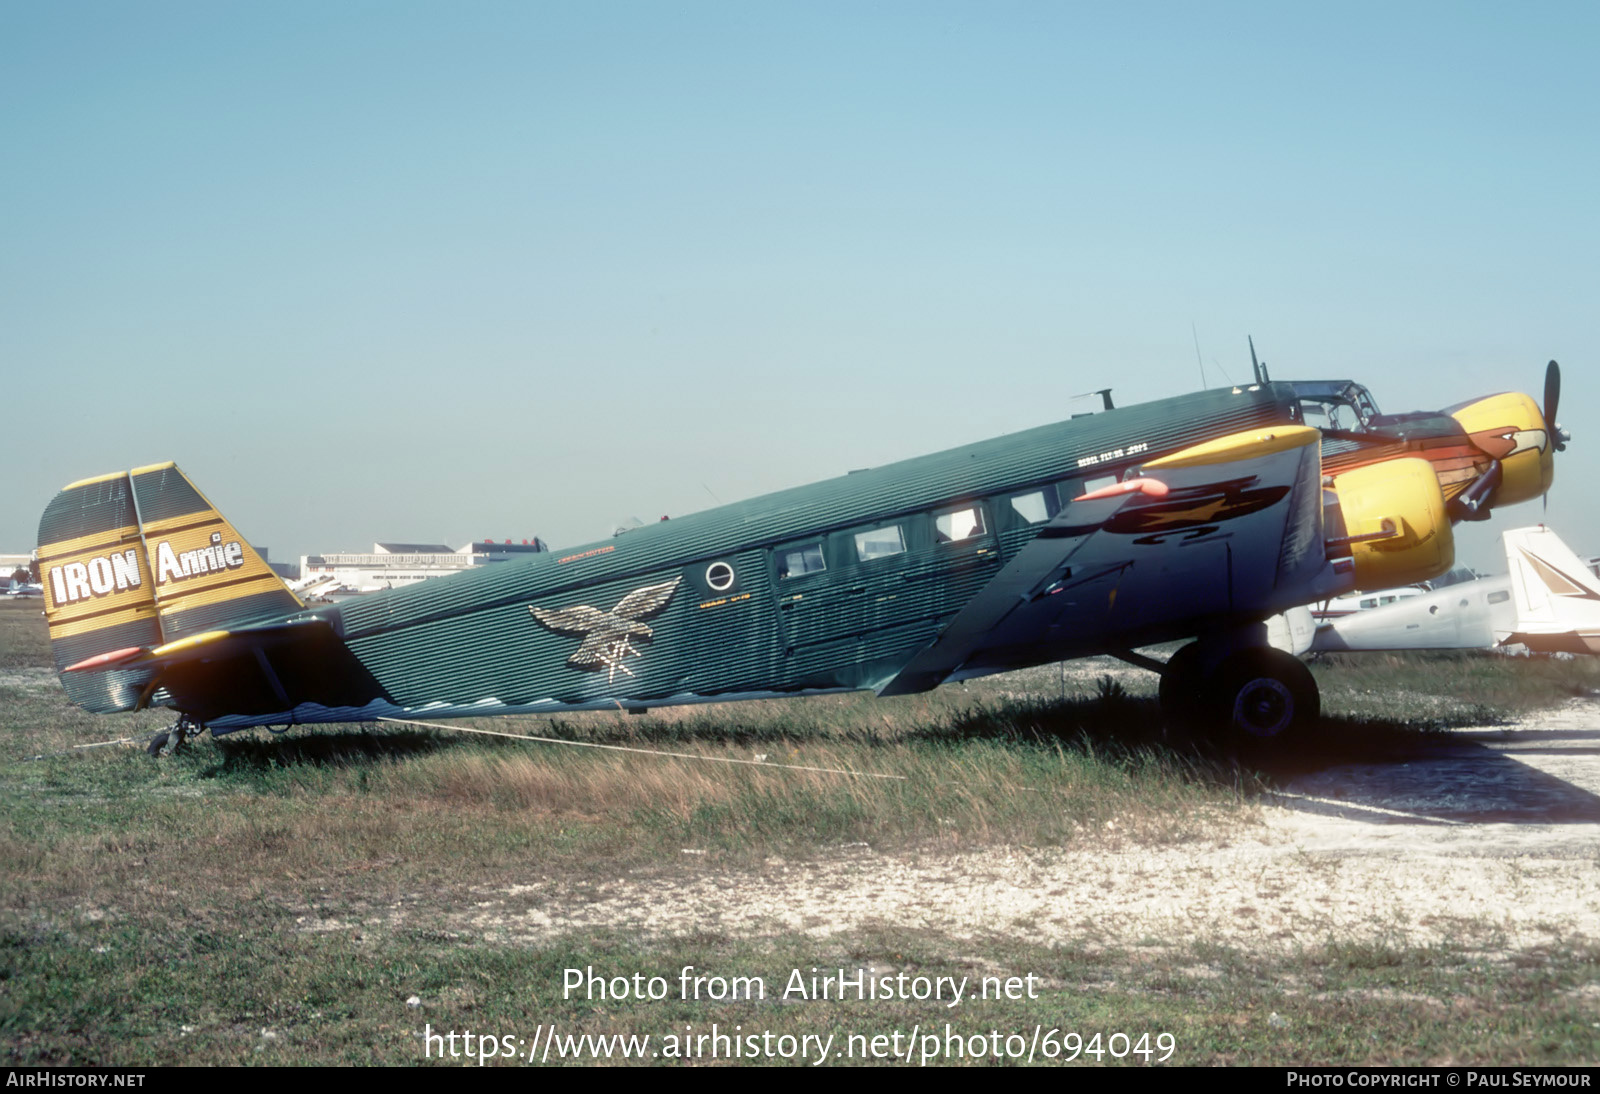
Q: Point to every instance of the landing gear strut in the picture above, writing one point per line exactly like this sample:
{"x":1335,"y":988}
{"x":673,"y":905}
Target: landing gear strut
{"x":173,"y":737}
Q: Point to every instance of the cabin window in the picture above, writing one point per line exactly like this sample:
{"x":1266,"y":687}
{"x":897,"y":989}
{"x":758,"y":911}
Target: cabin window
{"x":1037,"y":507}
{"x":1499,"y":596}
{"x":794,"y":561}
{"x":1099,"y":482}
{"x":880,"y":543}
{"x":957,"y":526}
{"x":1370,"y":602}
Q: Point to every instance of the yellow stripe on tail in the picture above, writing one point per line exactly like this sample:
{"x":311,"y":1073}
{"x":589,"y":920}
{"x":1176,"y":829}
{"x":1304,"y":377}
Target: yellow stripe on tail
{"x":137,"y":559}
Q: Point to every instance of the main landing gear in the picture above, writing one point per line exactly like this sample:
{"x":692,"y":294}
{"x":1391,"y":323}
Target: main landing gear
{"x":1252,"y":695}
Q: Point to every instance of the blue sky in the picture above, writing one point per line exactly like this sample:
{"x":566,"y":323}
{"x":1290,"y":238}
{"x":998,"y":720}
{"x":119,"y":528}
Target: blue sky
{"x":439,"y":272}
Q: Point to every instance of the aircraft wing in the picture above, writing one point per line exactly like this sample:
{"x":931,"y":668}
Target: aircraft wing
{"x":1028,"y":576}
{"x":1230,"y":530}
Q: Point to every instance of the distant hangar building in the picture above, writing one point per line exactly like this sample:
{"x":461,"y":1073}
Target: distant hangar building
{"x":393,"y":565}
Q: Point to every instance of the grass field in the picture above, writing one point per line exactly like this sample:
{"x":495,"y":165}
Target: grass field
{"x":155,"y":912}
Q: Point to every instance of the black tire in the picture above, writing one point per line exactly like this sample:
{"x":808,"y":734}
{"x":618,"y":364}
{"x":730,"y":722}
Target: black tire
{"x":1182,"y":693}
{"x":157,"y":743}
{"x":1263,"y":697}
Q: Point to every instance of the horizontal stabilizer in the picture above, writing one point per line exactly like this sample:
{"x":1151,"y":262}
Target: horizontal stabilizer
{"x":254,"y":671}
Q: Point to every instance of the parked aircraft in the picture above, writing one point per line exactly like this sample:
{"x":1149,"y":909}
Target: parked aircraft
{"x":1360,"y":601}
{"x":23,"y":588}
{"x":308,"y":588}
{"x":1199,"y":517}
{"x":1548,"y":602}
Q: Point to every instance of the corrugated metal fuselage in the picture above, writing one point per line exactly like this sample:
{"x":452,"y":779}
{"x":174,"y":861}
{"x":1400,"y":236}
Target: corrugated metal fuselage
{"x":714,"y":606}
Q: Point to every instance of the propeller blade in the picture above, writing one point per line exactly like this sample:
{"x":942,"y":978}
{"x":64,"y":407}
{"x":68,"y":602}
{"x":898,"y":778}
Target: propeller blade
{"x":1552,"y":390}
{"x":1552,"y":399}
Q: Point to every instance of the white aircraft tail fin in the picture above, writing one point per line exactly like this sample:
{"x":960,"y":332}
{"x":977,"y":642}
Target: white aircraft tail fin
{"x":1557,"y":596}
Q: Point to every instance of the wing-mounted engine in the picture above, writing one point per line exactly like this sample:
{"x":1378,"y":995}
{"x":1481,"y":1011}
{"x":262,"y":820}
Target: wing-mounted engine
{"x":1392,"y":519}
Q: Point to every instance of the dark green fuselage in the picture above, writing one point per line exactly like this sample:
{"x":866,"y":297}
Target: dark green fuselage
{"x":474,"y":640}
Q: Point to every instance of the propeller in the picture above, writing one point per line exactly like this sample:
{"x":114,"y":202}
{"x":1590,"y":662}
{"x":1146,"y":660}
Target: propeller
{"x":1558,"y":436}
{"x":1552,"y":397}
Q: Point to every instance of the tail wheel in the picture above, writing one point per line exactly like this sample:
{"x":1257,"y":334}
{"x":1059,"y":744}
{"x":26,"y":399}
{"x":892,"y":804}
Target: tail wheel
{"x":1263,"y":695}
{"x":173,"y":737}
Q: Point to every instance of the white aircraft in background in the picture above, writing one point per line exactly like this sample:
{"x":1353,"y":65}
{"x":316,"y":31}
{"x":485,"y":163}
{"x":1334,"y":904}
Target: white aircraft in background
{"x":23,"y":588}
{"x":1549,"y":602}
{"x":311,"y":588}
{"x":1352,"y":603}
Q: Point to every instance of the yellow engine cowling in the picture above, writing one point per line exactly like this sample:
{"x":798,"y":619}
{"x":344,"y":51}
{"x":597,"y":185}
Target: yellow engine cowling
{"x":1511,"y":428}
{"x":1396,"y":522}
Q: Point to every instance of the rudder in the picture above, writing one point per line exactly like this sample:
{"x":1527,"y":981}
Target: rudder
{"x":1556,"y":596}
{"x":98,"y":595}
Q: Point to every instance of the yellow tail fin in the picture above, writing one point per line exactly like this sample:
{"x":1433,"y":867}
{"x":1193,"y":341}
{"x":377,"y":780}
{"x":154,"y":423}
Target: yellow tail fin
{"x":137,"y":559}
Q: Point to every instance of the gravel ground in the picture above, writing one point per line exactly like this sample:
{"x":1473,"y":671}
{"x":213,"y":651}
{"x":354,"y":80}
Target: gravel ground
{"x":1492,"y":839}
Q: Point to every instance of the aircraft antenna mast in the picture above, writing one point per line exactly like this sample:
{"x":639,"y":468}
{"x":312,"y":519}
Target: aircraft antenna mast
{"x":1198,"y":359}
{"x":1259,"y":367}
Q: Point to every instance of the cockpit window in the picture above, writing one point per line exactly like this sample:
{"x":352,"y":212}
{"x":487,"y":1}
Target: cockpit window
{"x":1335,"y":404}
{"x":1320,"y":414}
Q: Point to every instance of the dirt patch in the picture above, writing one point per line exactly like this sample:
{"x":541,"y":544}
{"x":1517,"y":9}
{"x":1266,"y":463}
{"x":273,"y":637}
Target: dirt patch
{"x":1275,"y":892}
{"x":1386,"y":853}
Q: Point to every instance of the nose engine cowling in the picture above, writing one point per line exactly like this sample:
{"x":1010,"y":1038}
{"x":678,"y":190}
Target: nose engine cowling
{"x":1511,"y":430}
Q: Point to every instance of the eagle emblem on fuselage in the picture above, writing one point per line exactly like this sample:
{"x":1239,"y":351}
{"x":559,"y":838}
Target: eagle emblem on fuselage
{"x":608,"y":636}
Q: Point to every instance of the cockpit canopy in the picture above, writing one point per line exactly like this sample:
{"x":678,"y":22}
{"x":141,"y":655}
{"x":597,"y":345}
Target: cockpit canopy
{"x":1339,"y":405}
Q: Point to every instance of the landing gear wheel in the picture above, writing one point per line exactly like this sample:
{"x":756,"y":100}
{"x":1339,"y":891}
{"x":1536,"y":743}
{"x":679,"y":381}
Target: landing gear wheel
{"x":1264,"y":697}
{"x":1182,"y":687}
{"x":172,"y":738}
